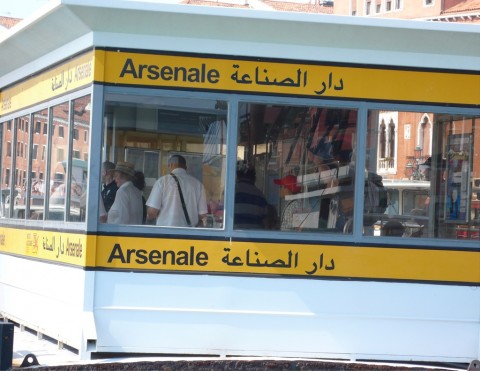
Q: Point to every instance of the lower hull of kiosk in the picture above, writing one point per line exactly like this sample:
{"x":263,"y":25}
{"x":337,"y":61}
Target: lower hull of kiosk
{"x":110,"y":312}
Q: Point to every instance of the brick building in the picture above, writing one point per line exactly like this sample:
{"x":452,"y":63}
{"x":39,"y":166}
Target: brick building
{"x":437,"y":10}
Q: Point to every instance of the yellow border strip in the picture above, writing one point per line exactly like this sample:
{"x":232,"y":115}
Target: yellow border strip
{"x":69,"y":248}
{"x":244,"y":76}
{"x":272,"y":258}
{"x":64,"y":78}
{"x":224,"y":257}
{"x":301,"y":79}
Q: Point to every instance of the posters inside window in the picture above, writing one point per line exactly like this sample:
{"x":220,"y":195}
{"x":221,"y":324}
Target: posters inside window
{"x":459,"y":155}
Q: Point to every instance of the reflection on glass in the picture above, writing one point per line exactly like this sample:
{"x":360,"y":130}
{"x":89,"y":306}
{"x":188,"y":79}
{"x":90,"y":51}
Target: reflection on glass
{"x":147,"y":131}
{"x":426,"y":160}
{"x":295,"y":169}
{"x":21,"y":166}
{"x":58,"y":161}
{"x":80,"y":156}
{"x":7,"y":158}
{"x":38,"y":165}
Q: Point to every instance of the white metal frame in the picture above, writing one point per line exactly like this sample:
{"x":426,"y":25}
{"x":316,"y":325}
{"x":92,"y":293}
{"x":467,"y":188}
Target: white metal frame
{"x":108,"y":311}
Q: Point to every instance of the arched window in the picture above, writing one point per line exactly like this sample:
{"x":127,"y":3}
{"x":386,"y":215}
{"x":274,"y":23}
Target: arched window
{"x":382,"y":141}
{"x":424,"y":140}
{"x":386,"y":145}
{"x":391,"y":139}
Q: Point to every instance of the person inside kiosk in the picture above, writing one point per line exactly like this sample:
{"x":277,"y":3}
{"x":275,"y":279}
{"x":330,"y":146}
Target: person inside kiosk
{"x":307,"y":151}
{"x":316,"y":145}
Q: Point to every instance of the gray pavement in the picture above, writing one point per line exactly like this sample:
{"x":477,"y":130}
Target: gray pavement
{"x":46,"y":351}
{"x":51,"y":356}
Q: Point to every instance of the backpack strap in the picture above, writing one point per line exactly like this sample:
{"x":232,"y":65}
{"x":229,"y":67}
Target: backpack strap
{"x":183,"y":201}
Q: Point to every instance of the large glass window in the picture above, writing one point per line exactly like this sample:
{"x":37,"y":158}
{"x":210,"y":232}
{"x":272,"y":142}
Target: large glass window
{"x":38,"y":167}
{"x":142,"y":135}
{"x":21,"y":167}
{"x":58,"y":162}
{"x":7,"y":192}
{"x":294,"y":168}
{"x":80,"y":150}
{"x":432,"y":191}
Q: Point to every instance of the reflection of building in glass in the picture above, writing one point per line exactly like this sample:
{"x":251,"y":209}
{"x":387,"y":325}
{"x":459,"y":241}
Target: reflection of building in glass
{"x":44,"y":150}
{"x":444,"y":11}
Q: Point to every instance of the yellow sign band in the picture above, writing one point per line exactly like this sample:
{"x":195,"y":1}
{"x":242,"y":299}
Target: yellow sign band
{"x":256,"y":258}
{"x":249,"y":76}
{"x":312,"y":80}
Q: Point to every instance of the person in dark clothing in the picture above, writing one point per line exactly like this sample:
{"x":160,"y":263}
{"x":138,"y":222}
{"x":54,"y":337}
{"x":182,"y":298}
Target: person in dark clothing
{"x":139,"y":182}
{"x":109,"y":187}
{"x":251,"y":209}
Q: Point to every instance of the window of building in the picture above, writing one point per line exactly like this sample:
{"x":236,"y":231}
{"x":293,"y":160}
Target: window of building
{"x":391,"y":140}
{"x":293,"y":161}
{"x":148,"y":135}
{"x":9,"y":149}
{"x":388,"y":6}
{"x":38,"y":127}
{"x":368,"y":8}
{"x":382,"y":141}
{"x":79,"y":178}
{"x":60,"y":154}
{"x":38,"y":186}
{"x":35,"y":151}
{"x":58,"y":165}
{"x":398,"y":4}
{"x":45,"y":128}
{"x":428,"y":2}
{"x":429,"y":193}
{"x":61,"y":132}
{"x":424,"y":135}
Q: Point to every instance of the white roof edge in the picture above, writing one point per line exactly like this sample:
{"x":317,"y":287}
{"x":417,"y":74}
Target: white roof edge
{"x":93,"y":34}
{"x":47,"y":60}
{"x":344,"y":20}
{"x":272,"y":15}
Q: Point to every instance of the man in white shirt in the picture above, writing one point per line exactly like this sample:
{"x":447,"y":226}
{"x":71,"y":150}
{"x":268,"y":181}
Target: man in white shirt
{"x":165,"y":204}
{"x":128,"y":206}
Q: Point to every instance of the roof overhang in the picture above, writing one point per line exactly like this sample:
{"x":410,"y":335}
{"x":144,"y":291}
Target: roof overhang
{"x":65,"y":27}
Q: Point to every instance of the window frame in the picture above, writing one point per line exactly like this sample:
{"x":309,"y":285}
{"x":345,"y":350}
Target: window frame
{"x":233,"y":101}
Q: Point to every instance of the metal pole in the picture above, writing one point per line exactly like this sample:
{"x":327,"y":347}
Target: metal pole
{"x":6,"y":345}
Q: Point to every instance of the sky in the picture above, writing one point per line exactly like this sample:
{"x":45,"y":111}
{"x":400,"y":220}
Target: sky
{"x":20,"y":8}
{"x":24,"y":8}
